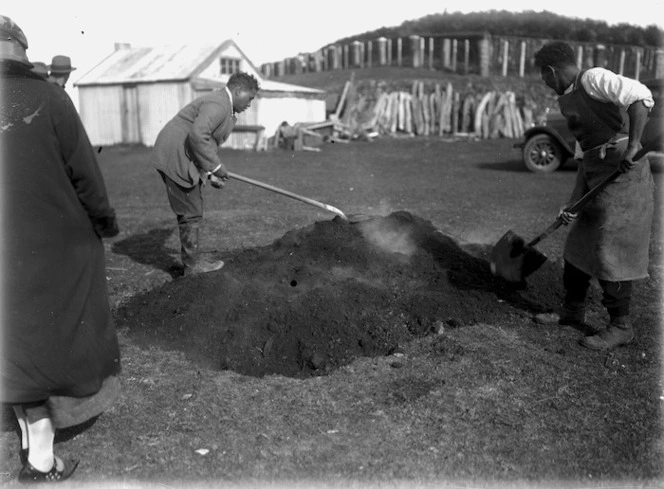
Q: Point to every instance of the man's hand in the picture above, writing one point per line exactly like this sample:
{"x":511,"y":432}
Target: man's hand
{"x":627,"y":162}
{"x":217,"y":182}
{"x":566,"y":217}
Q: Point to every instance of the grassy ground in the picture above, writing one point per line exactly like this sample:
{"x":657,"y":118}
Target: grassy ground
{"x":511,"y":404}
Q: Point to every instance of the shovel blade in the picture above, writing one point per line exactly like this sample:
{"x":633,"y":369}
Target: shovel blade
{"x":512,"y":260}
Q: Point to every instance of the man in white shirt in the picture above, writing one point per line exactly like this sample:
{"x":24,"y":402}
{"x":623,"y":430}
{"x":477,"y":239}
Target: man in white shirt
{"x":609,"y":237}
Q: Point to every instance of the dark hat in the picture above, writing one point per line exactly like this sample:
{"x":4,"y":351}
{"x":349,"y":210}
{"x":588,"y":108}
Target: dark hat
{"x":40,"y":68}
{"x":60,"y":65}
{"x":12,"y":32}
{"x":13,"y":42}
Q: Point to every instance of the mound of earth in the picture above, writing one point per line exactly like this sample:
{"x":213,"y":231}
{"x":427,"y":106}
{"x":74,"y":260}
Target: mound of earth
{"x":321,"y":296}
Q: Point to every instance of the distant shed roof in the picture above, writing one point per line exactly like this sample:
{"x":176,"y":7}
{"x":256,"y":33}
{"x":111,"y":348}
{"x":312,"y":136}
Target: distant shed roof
{"x":274,"y":88}
{"x":154,"y":64}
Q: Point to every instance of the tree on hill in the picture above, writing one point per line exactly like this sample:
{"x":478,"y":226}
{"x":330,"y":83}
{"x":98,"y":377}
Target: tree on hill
{"x":547,"y":25}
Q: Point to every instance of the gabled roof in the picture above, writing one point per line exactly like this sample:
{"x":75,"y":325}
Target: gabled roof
{"x":155,"y":64}
{"x":266,"y":86}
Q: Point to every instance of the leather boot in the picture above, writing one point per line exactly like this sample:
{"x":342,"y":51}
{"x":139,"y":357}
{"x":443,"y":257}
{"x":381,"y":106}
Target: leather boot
{"x":572,"y":314}
{"x":618,"y":333}
{"x":193,"y":264}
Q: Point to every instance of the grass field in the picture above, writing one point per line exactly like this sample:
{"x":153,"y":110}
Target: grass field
{"x":505,"y":404}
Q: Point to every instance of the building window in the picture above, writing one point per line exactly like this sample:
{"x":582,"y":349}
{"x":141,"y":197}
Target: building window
{"x":229,"y":66}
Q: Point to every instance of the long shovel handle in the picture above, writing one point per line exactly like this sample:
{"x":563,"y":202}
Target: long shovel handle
{"x":281,"y":191}
{"x":579,"y":204}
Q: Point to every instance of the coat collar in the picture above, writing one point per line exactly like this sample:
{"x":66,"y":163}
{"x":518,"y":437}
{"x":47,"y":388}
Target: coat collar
{"x":230,"y":97}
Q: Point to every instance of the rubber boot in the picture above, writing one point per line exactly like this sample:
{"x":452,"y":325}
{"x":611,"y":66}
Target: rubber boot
{"x":618,"y":333}
{"x":572,"y":314}
{"x":193,"y":264}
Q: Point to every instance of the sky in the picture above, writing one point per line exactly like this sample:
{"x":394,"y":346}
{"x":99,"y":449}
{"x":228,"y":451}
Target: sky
{"x":266,"y":30}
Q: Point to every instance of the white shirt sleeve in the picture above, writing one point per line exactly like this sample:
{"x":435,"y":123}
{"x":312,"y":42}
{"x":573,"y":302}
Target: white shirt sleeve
{"x":607,"y":86}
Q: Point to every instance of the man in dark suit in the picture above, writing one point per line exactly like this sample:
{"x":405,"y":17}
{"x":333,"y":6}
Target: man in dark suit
{"x":186,"y":156}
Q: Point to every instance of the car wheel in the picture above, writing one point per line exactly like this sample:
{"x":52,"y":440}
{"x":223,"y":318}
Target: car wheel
{"x":543,"y":154}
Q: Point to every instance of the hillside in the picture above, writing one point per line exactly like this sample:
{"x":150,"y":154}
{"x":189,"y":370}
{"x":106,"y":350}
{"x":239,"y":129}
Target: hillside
{"x":523,"y":24}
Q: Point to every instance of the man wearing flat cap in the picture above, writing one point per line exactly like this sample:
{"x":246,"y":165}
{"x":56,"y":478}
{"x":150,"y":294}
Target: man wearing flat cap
{"x":60,"y":69}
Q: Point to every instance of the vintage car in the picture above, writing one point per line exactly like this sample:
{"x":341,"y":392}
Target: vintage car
{"x":549,"y":144}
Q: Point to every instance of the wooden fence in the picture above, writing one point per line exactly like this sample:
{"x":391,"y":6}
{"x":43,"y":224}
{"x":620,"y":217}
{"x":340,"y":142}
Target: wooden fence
{"x":476,"y":53}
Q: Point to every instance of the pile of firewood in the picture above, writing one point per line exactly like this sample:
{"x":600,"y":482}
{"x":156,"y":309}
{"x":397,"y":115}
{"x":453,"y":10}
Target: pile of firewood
{"x":441,"y":112}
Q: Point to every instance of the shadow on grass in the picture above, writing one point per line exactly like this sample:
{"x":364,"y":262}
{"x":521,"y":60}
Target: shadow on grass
{"x":518,"y":166}
{"x":149,"y":249}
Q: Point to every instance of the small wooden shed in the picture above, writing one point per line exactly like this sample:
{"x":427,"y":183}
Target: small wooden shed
{"x":129,"y":96}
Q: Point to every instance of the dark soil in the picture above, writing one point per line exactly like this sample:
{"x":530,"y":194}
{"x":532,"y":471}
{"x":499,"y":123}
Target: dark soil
{"x":323,"y":295}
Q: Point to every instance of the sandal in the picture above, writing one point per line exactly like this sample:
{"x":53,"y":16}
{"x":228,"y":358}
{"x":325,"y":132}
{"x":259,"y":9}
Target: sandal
{"x":29,"y":474}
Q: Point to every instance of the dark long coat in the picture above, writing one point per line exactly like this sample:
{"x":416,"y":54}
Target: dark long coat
{"x":58,"y":333}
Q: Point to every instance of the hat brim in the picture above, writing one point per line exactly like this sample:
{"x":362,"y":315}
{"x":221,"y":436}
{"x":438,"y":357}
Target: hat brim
{"x":20,"y":59}
{"x":60,"y":71}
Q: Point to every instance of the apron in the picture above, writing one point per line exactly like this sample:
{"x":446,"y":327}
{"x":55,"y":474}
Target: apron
{"x":610,"y":238}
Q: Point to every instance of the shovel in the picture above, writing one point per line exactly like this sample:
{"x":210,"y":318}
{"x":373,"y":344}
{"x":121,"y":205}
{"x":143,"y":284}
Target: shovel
{"x":513,"y":259}
{"x":278,"y":190}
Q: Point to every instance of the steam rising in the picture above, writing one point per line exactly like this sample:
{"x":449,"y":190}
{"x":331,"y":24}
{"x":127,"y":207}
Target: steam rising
{"x":388,"y":238}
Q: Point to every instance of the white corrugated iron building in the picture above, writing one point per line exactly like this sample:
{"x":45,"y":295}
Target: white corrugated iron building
{"x":129,"y":96}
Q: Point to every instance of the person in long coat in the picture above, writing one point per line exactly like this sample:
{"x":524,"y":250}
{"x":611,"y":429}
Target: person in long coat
{"x":609,"y":238}
{"x":60,"y":355}
{"x":186,"y":156}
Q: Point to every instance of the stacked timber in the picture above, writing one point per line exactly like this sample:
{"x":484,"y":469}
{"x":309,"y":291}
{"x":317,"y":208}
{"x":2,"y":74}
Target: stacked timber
{"x":441,"y":111}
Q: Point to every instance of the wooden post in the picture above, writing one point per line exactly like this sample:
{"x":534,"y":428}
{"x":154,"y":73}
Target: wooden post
{"x":659,"y":63}
{"x":600,"y":56}
{"x":344,"y":60}
{"x":431,"y":53}
{"x":466,"y":56}
{"x":590,"y":58}
{"x":506,"y":55}
{"x":455,"y":49}
{"x":637,"y":70}
{"x":389,"y":52}
{"x":296,"y":65}
{"x":485,"y":56}
{"x":446,"y":53}
{"x":323,"y":60}
{"x":280,"y":68}
{"x":381,"y":42}
{"x":415,"y":50}
{"x":356,"y":55}
{"x":399,"y":51}
{"x":369,"y":54}
{"x":522,"y":59}
{"x":621,"y":63}
{"x":422,"y":46}
{"x":579,"y":57}
{"x":455,"y":113}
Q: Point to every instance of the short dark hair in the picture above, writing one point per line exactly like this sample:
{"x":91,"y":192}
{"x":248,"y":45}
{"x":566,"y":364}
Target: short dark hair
{"x":556,"y":53}
{"x":243,"y":80}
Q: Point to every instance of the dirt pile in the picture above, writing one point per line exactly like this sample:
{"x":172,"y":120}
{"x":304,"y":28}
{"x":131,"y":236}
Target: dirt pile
{"x":323,"y":295}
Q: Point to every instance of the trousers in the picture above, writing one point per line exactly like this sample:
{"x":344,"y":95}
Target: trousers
{"x":616,"y":296}
{"x":186,"y":203}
